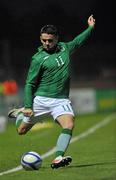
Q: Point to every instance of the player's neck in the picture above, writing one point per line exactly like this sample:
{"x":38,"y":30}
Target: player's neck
{"x":52,"y":50}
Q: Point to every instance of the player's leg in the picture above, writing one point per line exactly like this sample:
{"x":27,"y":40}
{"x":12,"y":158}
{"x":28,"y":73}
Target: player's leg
{"x":23,"y":123}
{"x":64,"y":116}
{"x":24,"y":128}
{"x":66,"y":121}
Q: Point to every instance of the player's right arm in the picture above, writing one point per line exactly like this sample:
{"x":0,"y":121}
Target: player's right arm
{"x":28,"y":112}
{"x":31,"y":85}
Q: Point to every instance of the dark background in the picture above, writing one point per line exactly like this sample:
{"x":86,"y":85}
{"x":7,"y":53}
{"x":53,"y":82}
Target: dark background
{"x":20,"y":24}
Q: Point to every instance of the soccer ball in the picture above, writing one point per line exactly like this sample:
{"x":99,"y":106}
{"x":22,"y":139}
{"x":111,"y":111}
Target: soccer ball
{"x":31,"y":161}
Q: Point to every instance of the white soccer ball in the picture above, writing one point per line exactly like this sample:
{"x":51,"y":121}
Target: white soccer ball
{"x":31,"y":161}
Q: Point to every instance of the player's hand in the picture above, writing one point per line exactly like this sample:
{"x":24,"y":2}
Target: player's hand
{"x":91,"y":21}
{"x":28,"y":112}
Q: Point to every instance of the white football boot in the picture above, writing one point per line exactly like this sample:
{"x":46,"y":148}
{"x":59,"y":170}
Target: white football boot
{"x":61,"y":162}
{"x":14,"y":112}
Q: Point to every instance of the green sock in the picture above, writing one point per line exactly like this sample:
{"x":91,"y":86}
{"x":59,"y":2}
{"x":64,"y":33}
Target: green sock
{"x":63,"y":142}
{"x":19,"y":119}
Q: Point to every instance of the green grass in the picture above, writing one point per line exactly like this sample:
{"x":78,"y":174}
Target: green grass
{"x":94,"y":157}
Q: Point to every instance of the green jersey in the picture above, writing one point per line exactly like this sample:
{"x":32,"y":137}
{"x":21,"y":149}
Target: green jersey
{"x":49,"y":74}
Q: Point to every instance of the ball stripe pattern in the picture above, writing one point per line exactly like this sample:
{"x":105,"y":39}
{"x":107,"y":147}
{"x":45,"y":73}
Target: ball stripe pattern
{"x":31,"y":161}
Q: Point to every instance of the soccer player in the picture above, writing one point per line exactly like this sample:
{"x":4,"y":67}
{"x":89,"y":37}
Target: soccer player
{"x":47,"y":88}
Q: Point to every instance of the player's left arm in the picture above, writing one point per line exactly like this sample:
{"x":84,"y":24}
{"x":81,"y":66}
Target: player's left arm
{"x":80,"y":39}
{"x":91,"y":21}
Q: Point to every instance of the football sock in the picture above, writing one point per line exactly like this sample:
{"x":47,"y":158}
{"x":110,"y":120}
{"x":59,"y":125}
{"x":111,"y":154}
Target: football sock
{"x":63,"y":142}
{"x":19,"y":119}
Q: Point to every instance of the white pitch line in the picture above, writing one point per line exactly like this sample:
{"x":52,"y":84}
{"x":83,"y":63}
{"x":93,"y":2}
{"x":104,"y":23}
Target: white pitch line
{"x":76,"y":138}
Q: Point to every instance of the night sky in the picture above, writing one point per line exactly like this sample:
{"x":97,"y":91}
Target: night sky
{"x":21,"y":21}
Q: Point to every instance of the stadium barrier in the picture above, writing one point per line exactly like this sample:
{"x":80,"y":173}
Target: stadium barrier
{"x":3,"y":123}
{"x":84,"y":100}
{"x":89,"y":100}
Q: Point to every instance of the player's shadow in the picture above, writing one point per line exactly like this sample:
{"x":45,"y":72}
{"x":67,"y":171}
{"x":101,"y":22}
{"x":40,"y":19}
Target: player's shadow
{"x":83,"y":165}
{"x":93,"y":164}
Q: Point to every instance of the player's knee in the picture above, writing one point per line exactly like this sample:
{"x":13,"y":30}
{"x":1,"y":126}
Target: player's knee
{"x":71,"y":125}
{"x":21,"y":131}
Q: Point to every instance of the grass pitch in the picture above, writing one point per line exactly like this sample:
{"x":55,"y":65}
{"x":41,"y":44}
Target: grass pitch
{"x":94,"y":155}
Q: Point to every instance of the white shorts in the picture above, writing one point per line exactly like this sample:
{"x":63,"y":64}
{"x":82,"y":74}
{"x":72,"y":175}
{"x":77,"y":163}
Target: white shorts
{"x":53,"y":106}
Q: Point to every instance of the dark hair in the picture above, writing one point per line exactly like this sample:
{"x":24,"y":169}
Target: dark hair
{"x":49,"y":29}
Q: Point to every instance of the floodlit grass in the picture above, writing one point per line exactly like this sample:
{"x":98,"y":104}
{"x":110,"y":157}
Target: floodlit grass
{"x":94,"y":156}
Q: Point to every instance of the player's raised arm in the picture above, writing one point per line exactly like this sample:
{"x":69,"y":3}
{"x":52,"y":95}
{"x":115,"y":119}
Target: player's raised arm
{"x":81,"y":38}
{"x":91,"y":21}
